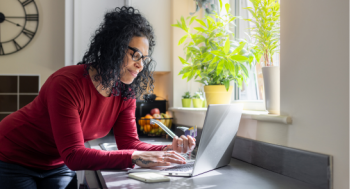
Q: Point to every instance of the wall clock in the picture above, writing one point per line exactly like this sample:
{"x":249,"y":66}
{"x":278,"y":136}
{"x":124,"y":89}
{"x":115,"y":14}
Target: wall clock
{"x":19,"y":21}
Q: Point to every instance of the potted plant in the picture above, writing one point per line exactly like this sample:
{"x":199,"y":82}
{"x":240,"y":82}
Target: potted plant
{"x":186,"y":100}
{"x":198,"y":99}
{"x":266,"y":33}
{"x":213,"y":56}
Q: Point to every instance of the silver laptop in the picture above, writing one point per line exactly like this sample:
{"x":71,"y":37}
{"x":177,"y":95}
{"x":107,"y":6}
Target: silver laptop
{"x":215,"y":144}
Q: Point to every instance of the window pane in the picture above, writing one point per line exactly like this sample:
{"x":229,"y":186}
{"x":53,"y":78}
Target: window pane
{"x":253,"y":89}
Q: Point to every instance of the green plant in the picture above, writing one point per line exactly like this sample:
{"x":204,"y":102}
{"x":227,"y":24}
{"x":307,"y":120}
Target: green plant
{"x":187,"y":95}
{"x":198,"y":95}
{"x":212,"y":54}
{"x":266,"y":32}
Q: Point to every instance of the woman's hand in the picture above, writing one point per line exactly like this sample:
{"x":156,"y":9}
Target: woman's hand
{"x":156,"y":158}
{"x":182,"y":144}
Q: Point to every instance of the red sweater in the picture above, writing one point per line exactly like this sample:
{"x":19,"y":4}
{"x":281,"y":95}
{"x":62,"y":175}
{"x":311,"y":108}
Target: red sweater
{"x":51,"y":130}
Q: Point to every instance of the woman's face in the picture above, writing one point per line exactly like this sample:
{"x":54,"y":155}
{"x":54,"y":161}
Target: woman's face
{"x":131,"y":67}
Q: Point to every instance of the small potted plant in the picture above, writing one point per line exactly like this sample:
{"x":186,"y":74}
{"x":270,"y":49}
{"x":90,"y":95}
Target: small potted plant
{"x":266,"y":35}
{"x":186,"y":100}
{"x":213,"y":56}
{"x":198,"y":99}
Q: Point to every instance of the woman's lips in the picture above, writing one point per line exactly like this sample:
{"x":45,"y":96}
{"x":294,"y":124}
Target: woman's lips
{"x":133,"y":73}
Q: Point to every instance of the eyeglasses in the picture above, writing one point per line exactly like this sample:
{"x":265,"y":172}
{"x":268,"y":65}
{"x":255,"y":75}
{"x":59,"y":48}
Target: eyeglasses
{"x":137,"y":55}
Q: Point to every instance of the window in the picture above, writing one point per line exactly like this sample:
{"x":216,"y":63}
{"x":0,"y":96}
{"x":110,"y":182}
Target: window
{"x":252,"y":91}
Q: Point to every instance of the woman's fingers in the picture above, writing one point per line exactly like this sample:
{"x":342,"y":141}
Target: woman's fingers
{"x":192,"y":143}
{"x":180,"y":145}
{"x":171,"y":157}
{"x":185,"y":144}
{"x":156,"y":158}
{"x":175,"y":147}
{"x":173,"y":154}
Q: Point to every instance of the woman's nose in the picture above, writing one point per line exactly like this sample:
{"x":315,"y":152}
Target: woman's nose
{"x":139,"y":63}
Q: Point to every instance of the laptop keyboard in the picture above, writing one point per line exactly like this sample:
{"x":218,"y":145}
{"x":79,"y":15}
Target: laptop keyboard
{"x":186,"y":156}
{"x":181,"y":168}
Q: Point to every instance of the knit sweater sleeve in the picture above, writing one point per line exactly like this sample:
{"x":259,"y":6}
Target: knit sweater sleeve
{"x":63,"y":100}
{"x":125,"y":131}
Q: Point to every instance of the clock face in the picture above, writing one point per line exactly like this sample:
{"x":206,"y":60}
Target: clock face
{"x":19,"y":21}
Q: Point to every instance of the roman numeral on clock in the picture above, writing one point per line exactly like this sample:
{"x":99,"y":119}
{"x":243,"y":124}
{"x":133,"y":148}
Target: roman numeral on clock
{"x":25,"y":3}
{"x":18,"y":47}
{"x":28,"y":33}
{"x":32,"y":17}
{"x":1,"y":50}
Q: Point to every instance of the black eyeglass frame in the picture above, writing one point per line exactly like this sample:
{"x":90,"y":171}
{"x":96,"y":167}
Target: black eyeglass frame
{"x":142,"y":57}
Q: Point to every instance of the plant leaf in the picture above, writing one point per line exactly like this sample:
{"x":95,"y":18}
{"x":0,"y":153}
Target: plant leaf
{"x":183,"y":24}
{"x":190,"y":76}
{"x":238,"y":58}
{"x":201,"y":22}
{"x":192,"y":19}
{"x":183,"y":60}
{"x":176,"y":25}
{"x":208,"y":58}
{"x":227,"y":6}
{"x":219,"y":67}
{"x":199,"y":29}
{"x":182,"y":39}
{"x":227,"y":45}
{"x":185,"y":69}
{"x":212,"y":66}
{"x":230,"y":67}
{"x":239,"y":82}
{"x":227,"y":84}
{"x":218,"y":53}
{"x":245,"y":71}
{"x":185,"y":75}
{"x":239,"y":48}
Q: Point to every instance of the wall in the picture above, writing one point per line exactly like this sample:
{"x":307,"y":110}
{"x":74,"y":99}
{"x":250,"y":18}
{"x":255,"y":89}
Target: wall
{"x":88,"y":15}
{"x":158,"y":13}
{"x":180,"y":86}
{"x":45,"y":53}
{"x":314,"y":83}
{"x":163,"y":87}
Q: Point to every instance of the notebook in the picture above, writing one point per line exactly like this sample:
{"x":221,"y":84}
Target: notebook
{"x":215,"y":145}
{"x":149,"y":177}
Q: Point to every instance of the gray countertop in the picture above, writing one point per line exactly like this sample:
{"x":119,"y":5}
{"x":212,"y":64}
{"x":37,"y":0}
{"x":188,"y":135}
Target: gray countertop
{"x":237,"y":174}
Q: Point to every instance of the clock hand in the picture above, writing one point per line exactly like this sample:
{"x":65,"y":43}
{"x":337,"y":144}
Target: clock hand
{"x":12,"y":22}
{"x":15,"y":17}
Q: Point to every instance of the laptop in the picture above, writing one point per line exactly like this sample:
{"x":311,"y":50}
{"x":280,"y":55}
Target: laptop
{"x":215,"y":144}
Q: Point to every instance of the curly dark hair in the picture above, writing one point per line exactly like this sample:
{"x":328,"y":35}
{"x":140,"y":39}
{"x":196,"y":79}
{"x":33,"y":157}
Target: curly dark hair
{"x":108,"y":48}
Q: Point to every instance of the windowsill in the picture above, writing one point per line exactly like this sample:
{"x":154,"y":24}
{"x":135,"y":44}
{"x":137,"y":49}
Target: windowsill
{"x":247,"y":114}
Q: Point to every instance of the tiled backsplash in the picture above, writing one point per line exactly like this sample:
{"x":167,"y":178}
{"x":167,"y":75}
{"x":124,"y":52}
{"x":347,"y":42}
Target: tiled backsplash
{"x":17,"y":91}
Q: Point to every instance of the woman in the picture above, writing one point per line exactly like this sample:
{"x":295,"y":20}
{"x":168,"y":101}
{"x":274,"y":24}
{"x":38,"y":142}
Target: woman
{"x":43,"y":142}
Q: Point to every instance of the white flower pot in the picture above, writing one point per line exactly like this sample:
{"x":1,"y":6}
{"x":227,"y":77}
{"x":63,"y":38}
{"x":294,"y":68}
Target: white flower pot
{"x":271,"y":77}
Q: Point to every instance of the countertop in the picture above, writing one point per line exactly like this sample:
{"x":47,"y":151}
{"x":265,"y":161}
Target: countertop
{"x":237,"y":174}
